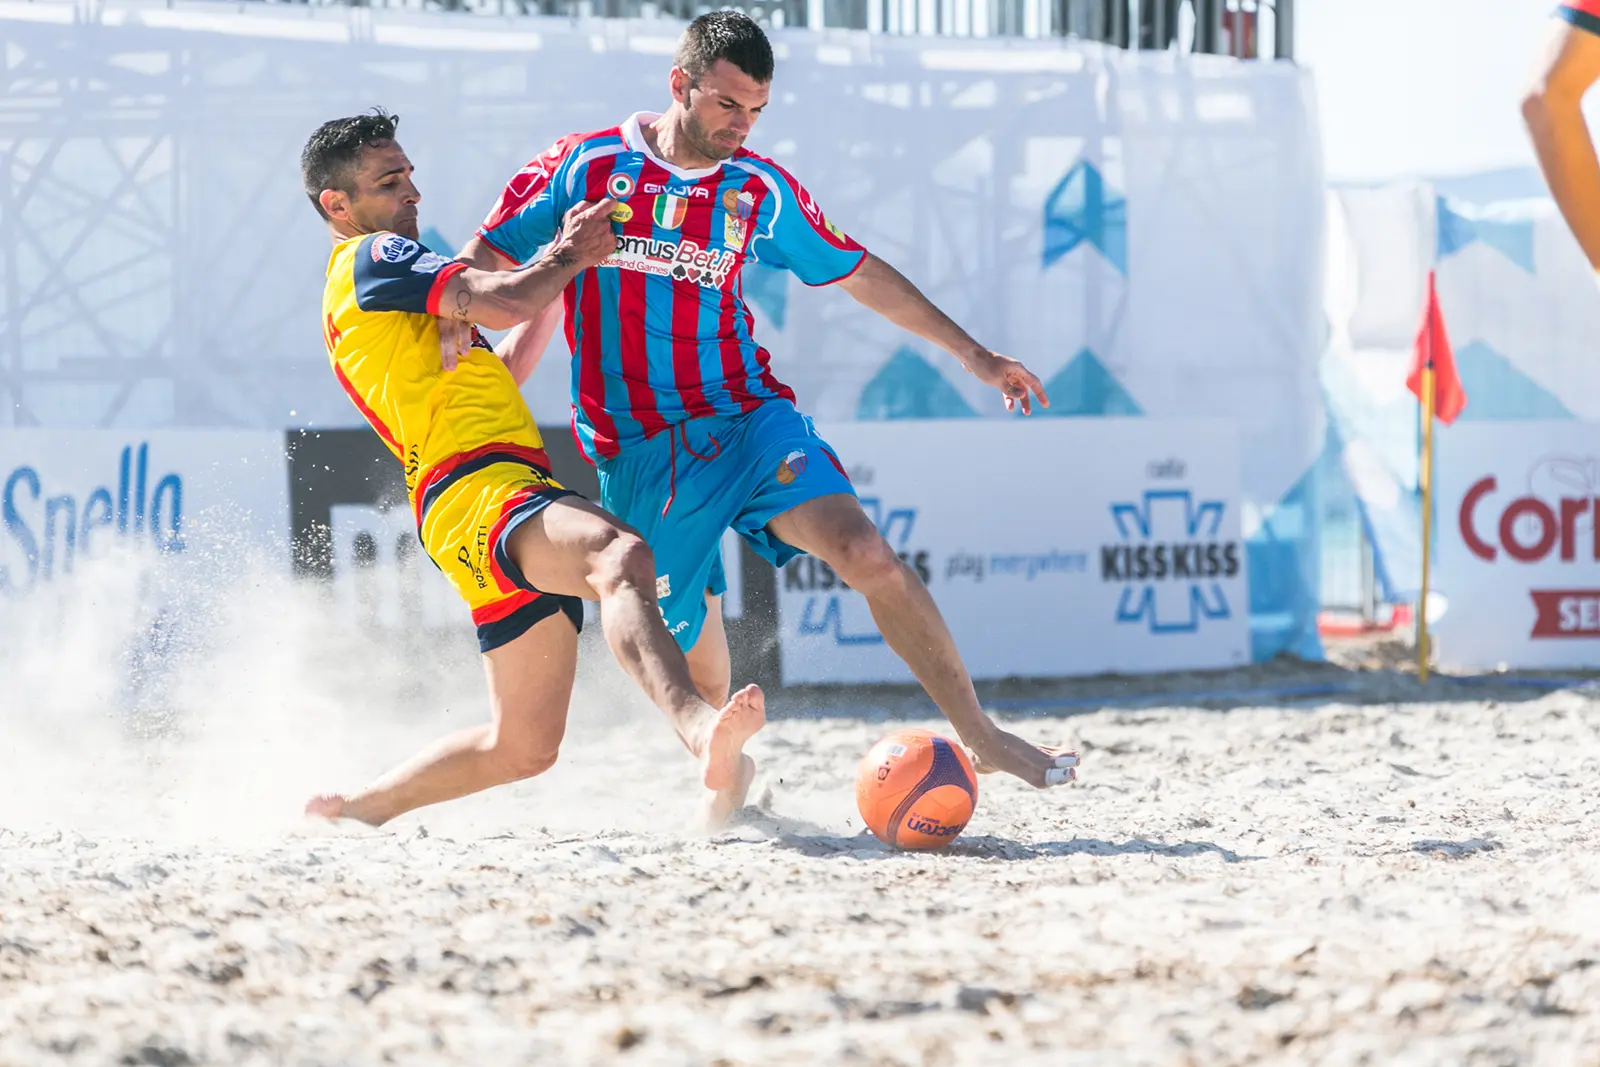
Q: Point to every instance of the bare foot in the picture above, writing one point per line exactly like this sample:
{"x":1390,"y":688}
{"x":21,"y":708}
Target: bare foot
{"x":335,"y":806}
{"x":326,"y":806}
{"x":736,"y":723}
{"x":722,"y":803}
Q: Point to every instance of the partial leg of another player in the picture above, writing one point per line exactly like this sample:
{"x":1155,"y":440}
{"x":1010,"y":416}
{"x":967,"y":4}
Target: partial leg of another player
{"x":711,"y":667}
{"x":574,"y":547}
{"x":530,"y":685}
{"x":835,"y":530}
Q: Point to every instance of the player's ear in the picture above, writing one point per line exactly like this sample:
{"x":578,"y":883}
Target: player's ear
{"x":678,"y":82}
{"x":336,"y":202}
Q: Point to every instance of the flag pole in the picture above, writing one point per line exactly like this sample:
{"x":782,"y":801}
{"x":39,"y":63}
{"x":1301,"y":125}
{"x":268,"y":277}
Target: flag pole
{"x":1426,"y":480}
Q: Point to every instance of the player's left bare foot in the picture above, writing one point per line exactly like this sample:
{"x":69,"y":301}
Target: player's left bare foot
{"x":336,"y":806}
{"x":722,"y":803}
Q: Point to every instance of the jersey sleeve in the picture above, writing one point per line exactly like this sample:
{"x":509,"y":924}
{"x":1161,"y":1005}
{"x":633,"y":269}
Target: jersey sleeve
{"x":531,"y":206}
{"x":1584,"y":14}
{"x":802,"y":240}
{"x":395,"y":273}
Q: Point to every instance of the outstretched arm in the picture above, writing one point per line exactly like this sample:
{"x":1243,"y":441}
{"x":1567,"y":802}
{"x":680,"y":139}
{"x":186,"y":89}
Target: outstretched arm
{"x":524,"y":346}
{"x":1553,"y":113}
{"x":499,"y":299}
{"x":885,"y":290}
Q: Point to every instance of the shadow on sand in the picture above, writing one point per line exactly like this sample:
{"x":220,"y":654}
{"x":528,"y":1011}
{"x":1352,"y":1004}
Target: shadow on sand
{"x":808,"y":839}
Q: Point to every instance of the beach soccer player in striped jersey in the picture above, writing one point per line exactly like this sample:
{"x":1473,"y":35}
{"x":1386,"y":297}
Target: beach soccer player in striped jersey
{"x":517,"y":547}
{"x":675,"y":401}
{"x":1553,"y":111}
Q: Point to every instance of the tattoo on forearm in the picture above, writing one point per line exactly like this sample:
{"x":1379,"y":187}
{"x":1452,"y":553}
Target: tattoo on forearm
{"x":463,"y":305}
{"x":562,"y":257}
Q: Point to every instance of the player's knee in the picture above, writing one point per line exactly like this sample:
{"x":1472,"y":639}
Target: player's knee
{"x":520,"y":759}
{"x":623,"y":561}
{"x":866,"y":562}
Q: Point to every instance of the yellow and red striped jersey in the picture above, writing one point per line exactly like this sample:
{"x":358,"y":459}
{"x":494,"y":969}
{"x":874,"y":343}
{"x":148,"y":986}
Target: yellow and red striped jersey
{"x":378,"y":310}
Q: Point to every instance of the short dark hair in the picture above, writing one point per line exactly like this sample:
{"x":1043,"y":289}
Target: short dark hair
{"x":330,"y":157}
{"x":730,"y":35}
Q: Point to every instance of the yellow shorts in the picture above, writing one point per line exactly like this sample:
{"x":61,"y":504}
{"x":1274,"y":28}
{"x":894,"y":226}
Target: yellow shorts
{"x":466,"y":508}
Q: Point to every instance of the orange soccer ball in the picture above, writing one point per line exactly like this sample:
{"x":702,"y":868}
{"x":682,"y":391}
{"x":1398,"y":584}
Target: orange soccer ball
{"x":916,"y":790}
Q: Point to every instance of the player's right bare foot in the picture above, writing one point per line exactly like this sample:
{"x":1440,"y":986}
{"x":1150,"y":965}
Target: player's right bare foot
{"x":723,"y":757}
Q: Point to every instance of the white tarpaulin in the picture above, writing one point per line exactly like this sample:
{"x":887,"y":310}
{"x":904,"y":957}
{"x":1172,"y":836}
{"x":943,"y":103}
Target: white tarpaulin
{"x":1111,"y":544}
{"x":1522,"y":310}
{"x":69,"y":496}
{"x":1144,"y":230}
{"x":1519,"y":546}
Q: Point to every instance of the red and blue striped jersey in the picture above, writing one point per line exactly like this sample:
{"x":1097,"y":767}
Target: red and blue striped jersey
{"x":659,"y":331}
{"x":1585,"y":14}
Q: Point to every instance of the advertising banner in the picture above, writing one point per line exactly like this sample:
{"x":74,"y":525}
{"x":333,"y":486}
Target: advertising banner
{"x":1519,"y":548}
{"x":1052,"y":547}
{"x":67,"y":496}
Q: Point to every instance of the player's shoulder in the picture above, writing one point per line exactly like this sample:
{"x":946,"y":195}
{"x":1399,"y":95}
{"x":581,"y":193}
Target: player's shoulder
{"x":574,"y":144}
{"x":752,"y":161}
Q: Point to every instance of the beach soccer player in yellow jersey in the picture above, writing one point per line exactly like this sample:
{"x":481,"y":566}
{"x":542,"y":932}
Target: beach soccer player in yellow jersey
{"x":1553,"y":110}
{"x":517,"y":546}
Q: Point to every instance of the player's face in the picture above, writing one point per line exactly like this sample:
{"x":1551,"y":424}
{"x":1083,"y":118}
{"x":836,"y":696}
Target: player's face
{"x":721,"y":109}
{"x":385,"y":198}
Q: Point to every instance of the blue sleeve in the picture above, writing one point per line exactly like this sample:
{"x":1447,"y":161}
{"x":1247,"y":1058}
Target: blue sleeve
{"x":532,"y":205}
{"x":395,"y":273}
{"x":799,"y":238}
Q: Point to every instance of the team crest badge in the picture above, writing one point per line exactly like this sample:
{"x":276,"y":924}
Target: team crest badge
{"x":670,"y":211}
{"x":792,"y":467}
{"x":392,"y":248}
{"x":734,"y":231}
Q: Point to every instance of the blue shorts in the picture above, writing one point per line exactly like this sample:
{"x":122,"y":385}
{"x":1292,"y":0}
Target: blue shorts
{"x":682,"y":489}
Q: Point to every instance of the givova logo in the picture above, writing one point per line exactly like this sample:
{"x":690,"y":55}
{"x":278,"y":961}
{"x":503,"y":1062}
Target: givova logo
{"x":1171,"y":561}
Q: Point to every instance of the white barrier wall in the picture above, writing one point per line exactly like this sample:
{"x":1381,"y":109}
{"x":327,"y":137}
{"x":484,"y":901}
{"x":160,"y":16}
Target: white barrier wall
{"x":1143,"y":230}
{"x":1041,"y":564}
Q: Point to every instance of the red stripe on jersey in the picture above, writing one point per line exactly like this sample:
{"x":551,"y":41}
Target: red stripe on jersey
{"x":768,"y":379}
{"x":631,"y":310}
{"x":1587,"y":7}
{"x":586,"y":350}
{"x":687,"y":379}
{"x":532,"y":179}
{"x":366,"y":412}
{"x":534,"y":456}
{"x":734,"y":369}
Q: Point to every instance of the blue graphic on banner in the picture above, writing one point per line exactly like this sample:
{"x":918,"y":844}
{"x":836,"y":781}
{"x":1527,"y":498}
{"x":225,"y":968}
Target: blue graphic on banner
{"x":1461,"y":225}
{"x":1183,"y":550}
{"x":1497,"y":390}
{"x":907,"y":387}
{"x":1082,"y":207}
{"x":824,"y":615}
{"x":1285,"y":568}
{"x":1084,"y":387}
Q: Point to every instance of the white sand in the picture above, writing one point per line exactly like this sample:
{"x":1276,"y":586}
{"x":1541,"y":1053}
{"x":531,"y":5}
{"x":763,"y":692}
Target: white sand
{"x":1367,"y":883}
